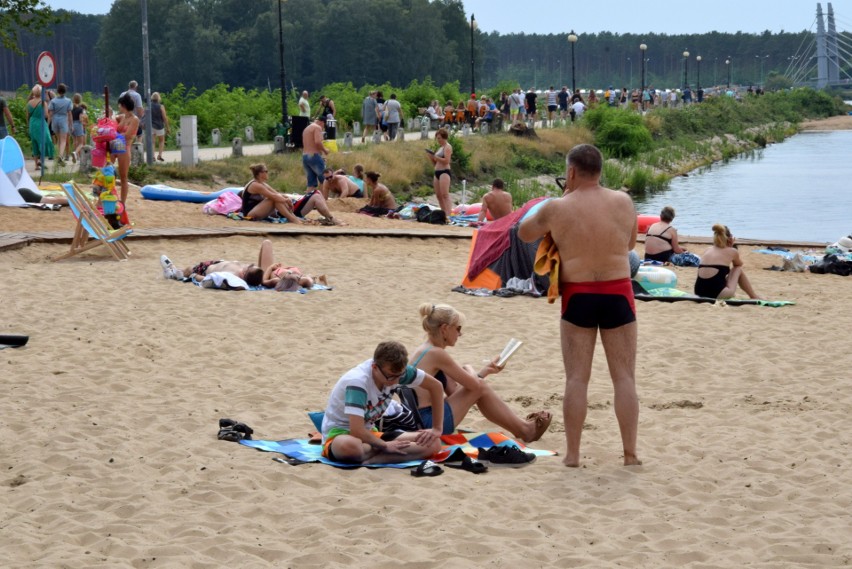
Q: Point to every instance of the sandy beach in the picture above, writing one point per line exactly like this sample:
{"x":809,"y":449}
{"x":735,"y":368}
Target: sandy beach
{"x":110,"y":458}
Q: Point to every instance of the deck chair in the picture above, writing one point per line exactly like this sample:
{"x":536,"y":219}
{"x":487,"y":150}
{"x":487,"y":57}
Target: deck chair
{"x":92,"y":229}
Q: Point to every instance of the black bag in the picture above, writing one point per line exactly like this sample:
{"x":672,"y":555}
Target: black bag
{"x":428,"y":215}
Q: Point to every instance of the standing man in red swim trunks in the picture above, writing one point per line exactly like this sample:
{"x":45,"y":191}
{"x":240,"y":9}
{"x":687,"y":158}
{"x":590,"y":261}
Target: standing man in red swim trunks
{"x":594,"y":228}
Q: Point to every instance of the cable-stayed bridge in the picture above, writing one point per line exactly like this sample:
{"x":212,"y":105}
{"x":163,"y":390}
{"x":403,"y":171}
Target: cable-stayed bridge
{"x":824,"y":59}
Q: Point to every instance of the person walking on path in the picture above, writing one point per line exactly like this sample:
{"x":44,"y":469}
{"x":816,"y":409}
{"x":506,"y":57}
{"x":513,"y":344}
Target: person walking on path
{"x":594,"y":229}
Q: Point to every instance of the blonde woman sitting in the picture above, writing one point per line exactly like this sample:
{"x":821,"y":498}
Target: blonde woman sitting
{"x":463,"y":386}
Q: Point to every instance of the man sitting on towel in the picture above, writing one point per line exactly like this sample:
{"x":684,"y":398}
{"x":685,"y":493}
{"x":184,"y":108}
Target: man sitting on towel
{"x":360,"y":398}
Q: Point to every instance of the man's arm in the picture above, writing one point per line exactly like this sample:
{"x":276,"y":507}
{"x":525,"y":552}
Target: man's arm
{"x":318,"y":141}
{"x":536,"y":226}
{"x":436,"y":393}
{"x":484,"y":211}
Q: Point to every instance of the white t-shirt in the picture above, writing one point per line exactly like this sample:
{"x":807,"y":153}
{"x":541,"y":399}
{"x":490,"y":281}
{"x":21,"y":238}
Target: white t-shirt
{"x":357,"y":394}
{"x":579,"y":108}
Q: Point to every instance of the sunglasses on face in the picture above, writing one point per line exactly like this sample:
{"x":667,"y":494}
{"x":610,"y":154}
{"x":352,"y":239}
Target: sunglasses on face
{"x":560,"y":181}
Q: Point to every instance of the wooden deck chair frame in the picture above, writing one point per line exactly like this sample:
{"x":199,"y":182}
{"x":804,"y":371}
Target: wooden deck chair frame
{"x":92,"y":229}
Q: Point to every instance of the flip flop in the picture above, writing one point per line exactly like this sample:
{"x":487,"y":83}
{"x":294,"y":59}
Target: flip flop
{"x":542,"y":422}
{"x":461,"y":461}
{"x":427,"y":468}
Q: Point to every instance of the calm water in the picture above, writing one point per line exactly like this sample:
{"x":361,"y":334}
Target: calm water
{"x":799,"y":190}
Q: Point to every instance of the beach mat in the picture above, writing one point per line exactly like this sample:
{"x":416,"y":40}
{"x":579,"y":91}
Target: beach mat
{"x":300,"y":451}
{"x":676,"y":295}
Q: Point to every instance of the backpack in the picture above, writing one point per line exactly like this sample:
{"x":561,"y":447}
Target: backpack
{"x":428,"y":215}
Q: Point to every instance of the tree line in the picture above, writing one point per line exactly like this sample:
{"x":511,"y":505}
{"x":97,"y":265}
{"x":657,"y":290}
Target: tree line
{"x":203,"y":43}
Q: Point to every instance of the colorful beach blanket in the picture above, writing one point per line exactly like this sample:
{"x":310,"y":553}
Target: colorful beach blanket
{"x":300,"y":451}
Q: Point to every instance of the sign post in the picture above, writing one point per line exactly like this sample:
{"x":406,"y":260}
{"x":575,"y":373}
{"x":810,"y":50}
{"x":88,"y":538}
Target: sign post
{"x":46,"y":73}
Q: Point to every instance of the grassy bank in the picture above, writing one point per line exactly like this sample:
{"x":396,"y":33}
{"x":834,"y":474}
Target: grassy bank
{"x":643,"y":152}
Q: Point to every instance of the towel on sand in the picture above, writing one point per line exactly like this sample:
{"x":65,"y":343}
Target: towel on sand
{"x":547,"y":263}
{"x":300,"y":451}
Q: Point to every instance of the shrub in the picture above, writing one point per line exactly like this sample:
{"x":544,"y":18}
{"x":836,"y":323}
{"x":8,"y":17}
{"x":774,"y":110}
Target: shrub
{"x":623,"y":138}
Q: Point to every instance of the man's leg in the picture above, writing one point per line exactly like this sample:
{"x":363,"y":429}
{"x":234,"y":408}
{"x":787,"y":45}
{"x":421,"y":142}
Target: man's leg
{"x":578,"y":349}
{"x":620,"y":348}
{"x":317,"y":202}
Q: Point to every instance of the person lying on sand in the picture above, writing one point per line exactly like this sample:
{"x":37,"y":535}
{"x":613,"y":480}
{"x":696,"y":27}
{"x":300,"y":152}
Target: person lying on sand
{"x":360,"y":398}
{"x":463,"y":386}
{"x":339,"y":185}
{"x":255,"y":274}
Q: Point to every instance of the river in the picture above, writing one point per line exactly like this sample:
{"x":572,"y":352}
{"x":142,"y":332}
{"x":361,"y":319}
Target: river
{"x":797,"y":190}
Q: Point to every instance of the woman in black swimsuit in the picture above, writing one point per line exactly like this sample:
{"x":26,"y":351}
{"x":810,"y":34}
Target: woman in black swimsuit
{"x":661,"y":238}
{"x":441,"y":159}
{"x":464,"y":386}
{"x":721,"y":268}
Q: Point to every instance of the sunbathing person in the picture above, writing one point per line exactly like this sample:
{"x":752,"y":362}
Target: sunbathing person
{"x":716,"y":278}
{"x":661,"y":238}
{"x":36,"y":197}
{"x":255,"y":274}
{"x":260,"y":199}
{"x":338,"y":185}
{"x":381,"y":201}
{"x":357,"y":403}
{"x":463,"y":386}
{"x":497,"y":201}
{"x":283,"y":278}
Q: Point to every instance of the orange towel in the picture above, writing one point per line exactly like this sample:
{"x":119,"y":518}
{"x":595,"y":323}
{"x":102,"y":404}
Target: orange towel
{"x":547,"y":263}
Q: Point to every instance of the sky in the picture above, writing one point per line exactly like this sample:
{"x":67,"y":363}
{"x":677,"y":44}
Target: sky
{"x":670,"y":17}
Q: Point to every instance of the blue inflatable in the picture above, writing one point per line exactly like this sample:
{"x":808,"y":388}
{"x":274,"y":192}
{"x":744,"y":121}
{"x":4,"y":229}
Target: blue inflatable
{"x":168,"y":193}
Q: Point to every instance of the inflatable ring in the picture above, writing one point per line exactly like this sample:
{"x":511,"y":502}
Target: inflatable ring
{"x":168,"y":193}
{"x":651,"y":277}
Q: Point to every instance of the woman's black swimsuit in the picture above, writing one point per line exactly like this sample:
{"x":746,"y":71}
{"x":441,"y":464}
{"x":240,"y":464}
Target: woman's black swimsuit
{"x":662,"y":256}
{"x":711,"y":287}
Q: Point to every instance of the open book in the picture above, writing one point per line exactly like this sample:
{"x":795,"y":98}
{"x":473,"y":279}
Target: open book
{"x":507,"y":352}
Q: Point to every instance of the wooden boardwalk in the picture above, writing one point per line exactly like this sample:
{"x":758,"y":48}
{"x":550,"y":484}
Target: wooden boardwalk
{"x":16,"y":240}
{"x":20,"y":239}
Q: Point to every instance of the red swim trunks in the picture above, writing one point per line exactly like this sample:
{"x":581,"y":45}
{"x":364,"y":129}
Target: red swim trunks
{"x":603,"y":304}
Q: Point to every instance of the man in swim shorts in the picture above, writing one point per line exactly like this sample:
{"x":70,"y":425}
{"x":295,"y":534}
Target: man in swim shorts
{"x":359,"y":400}
{"x":594,"y":229}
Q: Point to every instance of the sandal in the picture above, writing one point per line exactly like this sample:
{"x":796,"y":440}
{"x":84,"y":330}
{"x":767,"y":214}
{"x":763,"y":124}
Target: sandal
{"x":542,"y":421}
{"x":427,"y":468}
{"x":463,"y":462}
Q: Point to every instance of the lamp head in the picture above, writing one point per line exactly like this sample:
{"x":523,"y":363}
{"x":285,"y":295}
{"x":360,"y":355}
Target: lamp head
{"x":643,"y":47}
{"x":686,"y":54}
{"x":572,"y":37}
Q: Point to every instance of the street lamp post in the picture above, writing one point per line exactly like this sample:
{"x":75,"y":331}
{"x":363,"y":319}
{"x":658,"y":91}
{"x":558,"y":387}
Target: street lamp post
{"x":281,"y":70}
{"x":535,"y":73}
{"x":472,"y":59}
{"x":685,"y":68}
{"x":715,"y":74}
{"x":559,"y":64}
{"x":698,"y":73}
{"x":572,"y":38}
{"x":728,"y":65}
{"x":642,"y":48}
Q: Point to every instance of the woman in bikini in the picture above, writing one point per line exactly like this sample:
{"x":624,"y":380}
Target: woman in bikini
{"x":661,"y":238}
{"x":260,"y":199}
{"x":441,"y":159}
{"x":464,"y":387}
{"x":721,"y":268}
{"x":128,"y":125}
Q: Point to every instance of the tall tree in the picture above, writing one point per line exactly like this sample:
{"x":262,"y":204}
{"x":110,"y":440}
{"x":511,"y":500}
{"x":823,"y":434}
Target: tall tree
{"x":30,"y":15}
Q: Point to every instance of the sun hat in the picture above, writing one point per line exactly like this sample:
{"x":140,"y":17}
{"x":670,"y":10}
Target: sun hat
{"x":844,"y":244}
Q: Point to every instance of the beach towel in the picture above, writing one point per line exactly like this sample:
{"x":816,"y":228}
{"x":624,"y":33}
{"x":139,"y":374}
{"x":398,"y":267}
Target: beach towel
{"x":493,"y":239}
{"x":230,"y":281}
{"x":677,"y":295}
{"x":238,"y":216}
{"x":547,"y":261}
{"x":300,"y":451}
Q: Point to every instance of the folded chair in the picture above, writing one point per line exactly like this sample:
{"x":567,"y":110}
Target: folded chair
{"x":92,"y":229}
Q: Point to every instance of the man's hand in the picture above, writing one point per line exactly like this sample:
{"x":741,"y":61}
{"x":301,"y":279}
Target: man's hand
{"x":427,"y":436}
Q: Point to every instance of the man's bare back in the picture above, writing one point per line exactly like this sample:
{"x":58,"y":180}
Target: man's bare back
{"x":312,"y":139}
{"x":498,"y":202}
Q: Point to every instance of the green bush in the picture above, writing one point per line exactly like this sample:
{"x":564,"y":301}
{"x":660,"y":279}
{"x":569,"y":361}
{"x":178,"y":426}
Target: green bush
{"x":623,"y":137}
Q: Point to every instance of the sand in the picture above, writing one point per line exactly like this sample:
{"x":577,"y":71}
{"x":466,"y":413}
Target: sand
{"x":109,"y":453}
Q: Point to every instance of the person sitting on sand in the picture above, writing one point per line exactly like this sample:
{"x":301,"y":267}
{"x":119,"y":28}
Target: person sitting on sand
{"x":338,"y":185}
{"x":721,"y":268}
{"x":463,"y":386}
{"x":661,"y":238}
{"x":381,"y":201}
{"x":497,"y":201}
{"x":360,"y":398}
{"x":36,"y":197}
{"x":260,"y":199}
{"x":255,"y":274}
